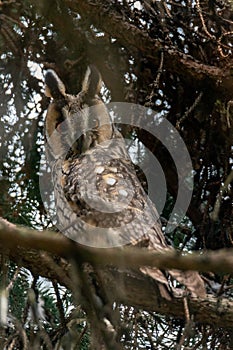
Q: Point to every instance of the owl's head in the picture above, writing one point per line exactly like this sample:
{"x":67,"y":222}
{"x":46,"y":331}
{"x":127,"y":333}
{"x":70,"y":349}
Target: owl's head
{"x":75,"y":123}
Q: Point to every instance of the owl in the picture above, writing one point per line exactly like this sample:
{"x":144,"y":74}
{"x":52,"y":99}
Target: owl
{"x":99,"y":199}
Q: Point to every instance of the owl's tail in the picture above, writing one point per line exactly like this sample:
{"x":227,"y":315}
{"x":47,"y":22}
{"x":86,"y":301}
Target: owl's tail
{"x":165,"y":280}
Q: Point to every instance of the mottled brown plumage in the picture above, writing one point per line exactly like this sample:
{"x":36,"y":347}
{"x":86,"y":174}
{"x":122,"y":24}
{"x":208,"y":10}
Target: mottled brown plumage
{"x":99,"y":199}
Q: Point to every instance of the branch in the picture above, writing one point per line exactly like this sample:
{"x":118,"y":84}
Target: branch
{"x":217,"y":312}
{"x":122,"y":287}
{"x":220,"y":261}
{"x":137,"y":40}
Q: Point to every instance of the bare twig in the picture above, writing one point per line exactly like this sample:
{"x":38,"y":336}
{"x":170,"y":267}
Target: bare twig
{"x":229,"y":104}
{"x":220,"y":44}
{"x":59,"y":304}
{"x":222,"y":191}
{"x":156,"y":82}
{"x":191,"y":108}
{"x":199,"y":10}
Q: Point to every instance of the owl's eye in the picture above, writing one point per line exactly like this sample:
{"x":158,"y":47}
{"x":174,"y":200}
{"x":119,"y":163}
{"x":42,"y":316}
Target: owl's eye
{"x":59,"y":126}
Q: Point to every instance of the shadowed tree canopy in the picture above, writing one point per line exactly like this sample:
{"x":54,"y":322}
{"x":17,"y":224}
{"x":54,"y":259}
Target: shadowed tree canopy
{"x":173,"y":57}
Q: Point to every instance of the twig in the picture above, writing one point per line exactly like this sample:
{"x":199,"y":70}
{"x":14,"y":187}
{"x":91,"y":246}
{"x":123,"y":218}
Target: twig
{"x":188,"y":327}
{"x":191,"y":108}
{"x":186,"y":309}
{"x":222,"y":289}
{"x":156,"y":82}
{"x":224,"y":188}
{"x":13,"y":279}
{"x":59,"y":304}
{"x":220,"y":44}
{"x":229,"y":104}
{"x":203,"y":21}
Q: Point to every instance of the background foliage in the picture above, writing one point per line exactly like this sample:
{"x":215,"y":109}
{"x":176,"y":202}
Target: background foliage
{"x":173,"y":56}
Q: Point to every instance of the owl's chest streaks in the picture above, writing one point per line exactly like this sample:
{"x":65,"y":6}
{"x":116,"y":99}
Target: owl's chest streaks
{"x":91,"y":194}
{"x":108,"y":195}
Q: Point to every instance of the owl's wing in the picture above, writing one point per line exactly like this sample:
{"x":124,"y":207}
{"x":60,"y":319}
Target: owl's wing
{"x":102,"y":189}
{"x":106,"y":206}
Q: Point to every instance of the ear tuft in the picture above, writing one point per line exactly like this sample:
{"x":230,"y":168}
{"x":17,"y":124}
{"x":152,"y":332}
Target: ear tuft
{"x":54,"y":87}
{"x":92,"y":81}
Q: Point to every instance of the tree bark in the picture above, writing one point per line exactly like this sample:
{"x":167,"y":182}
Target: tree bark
{"x":138,"y":41}
{"x":43,"y":254}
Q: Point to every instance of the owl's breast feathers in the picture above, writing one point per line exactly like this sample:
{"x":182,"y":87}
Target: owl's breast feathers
{"x":99,"y":198}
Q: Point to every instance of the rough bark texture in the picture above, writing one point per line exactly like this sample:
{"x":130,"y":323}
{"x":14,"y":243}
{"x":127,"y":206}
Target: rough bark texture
{"x":129,"y":288}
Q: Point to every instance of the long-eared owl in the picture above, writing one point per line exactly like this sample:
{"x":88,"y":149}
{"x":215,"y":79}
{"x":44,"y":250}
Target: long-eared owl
{"x":99,"y":199}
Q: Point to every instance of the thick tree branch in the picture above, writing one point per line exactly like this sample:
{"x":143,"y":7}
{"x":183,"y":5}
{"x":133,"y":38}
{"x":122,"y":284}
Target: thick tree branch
{"x":25,"y":245}
{"x":218,"y":312}
{"x":57,"y":244}
{"x":138,"y":40}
